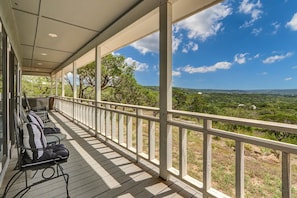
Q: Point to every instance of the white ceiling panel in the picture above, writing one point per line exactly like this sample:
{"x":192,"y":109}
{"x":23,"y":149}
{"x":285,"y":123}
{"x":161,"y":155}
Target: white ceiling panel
{"x":27,"y":62}
{"x":50,"y":55}
{"x":92,"y":14}
{"x":26,"y":24}
{"x":27,"y":51}
{"x":35,"y":71}
{"x":30,"y":6}
{"x":69,"y":39}
{"x":45,"y":64}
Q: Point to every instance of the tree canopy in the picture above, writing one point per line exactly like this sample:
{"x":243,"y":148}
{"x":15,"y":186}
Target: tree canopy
{"x":117,"y":82}
{"x":36,"y":85}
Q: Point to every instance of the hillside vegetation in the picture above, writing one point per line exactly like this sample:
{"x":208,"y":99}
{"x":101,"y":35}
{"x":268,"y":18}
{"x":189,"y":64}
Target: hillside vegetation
{"x":269,"y":105}
{"x":275,"y":107}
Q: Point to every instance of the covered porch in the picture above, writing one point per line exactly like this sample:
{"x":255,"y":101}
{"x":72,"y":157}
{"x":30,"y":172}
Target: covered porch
{"x":120,"y":150}
{"x":101,"y":169}
{"x":115,"y":149}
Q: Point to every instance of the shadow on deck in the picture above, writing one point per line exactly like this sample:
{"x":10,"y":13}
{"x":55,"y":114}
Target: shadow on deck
{"x":98,"y":170}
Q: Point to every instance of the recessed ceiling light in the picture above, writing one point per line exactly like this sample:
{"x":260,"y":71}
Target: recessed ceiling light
{"x":53,"y":35}
{"x":43,"y":54}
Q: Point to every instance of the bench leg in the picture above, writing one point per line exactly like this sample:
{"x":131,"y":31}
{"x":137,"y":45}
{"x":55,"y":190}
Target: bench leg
{"x":12,"y":180}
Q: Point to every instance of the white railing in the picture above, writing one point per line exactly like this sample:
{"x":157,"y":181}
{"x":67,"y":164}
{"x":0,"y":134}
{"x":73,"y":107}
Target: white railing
{"x":136,"y":128}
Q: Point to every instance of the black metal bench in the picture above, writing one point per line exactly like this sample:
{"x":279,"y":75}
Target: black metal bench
{"x":45,"y":159}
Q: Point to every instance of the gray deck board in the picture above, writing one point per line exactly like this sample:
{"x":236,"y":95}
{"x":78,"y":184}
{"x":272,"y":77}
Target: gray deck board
{"x":96,"y":170}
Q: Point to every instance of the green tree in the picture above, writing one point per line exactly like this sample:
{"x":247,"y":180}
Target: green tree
{"x":118,"y":83}
{"x":179,"y":98}
{"x":36,"y":85}
{"x":113,"y":70}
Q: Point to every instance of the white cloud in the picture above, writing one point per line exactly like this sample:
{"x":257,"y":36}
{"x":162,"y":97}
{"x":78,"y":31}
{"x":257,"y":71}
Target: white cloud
{"x":138,"y":65}
{"x":240,"y":58}
{"x":176,"y":73}
{"x":206,"y":23}
{"x":176,"y":41}
{"x":288,"y":78}
{"x":264,"y":73}
{"x":202,"y":25}
{"x":147,"y":44}
{"x":252,"y":8}
{"x":276,"y":58}
{"x":292,"y":24}
{"x":151,"y":43}
{"x":257,"y":56}
{"x":294,"y":67}
{"x":190,"y":46}
{"x":276,"y":25}
{"x":256,"y":31}
{"x":205,"y":69}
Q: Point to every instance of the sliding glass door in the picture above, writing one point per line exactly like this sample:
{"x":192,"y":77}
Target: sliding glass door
{"x":2,"y":108}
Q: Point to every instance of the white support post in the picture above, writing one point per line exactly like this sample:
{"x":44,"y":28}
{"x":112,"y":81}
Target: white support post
{"x":52,"y":86}
{"x":102,"y":121}
{"x":107,"y":122}
{"x":56,"y":84}
{"x":152,"y":138}
{"x":63,"y":83}
{"x":74,"y":89}
{"x":207,"y":141}
{"x":121,"y":129}
{"x":113,"y":125}
{"x":97,"y":87}
{"x":286,"y":175}
{"x":139,"y":143}
{"x":239,"y":169}
{"x":165,"y":25}
{"x":129,"y":132}
{"x":183,"y":152}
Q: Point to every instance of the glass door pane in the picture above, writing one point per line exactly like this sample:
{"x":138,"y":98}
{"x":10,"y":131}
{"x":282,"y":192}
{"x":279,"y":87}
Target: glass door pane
{"x":1,"y":98}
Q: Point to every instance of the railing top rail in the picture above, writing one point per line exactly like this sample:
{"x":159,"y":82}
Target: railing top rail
{"x":277,"y":126}
{"x":130,"y":106}
{"x":114,"y":104}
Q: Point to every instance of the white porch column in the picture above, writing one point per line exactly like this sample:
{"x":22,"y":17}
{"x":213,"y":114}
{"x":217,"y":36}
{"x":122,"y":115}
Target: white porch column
{"x":74,"y":79}
{"x":97,"y":87}
{"x":52,"y":84}
{"x":74,"y":89}
{"x":63,"y":83}
{"x":165,"y":27}
{"x":56,"y":84}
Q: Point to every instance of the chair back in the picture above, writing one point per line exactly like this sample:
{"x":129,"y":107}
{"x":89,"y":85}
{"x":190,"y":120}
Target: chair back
{"x":18,"y":122}
{"x":27,"y":105}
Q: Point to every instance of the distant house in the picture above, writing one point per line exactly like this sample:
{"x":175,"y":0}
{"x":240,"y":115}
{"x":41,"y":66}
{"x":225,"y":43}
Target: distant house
{"x":253,"y":107}
{"x":241,"y":105}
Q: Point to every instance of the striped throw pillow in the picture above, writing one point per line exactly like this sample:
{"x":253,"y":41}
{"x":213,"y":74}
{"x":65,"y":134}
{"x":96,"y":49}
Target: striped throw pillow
{"x":33,"y":117}
{"x":33,"y":138}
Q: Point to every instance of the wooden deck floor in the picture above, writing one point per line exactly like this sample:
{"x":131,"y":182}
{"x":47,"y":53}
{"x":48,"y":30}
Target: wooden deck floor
{"x":97,"y":170}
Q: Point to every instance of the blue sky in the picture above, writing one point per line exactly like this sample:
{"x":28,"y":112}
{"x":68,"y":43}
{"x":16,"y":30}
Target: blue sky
{"x":245,"y":45}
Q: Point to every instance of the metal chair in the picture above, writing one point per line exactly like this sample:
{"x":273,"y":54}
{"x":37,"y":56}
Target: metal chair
{"x":53,"y":156}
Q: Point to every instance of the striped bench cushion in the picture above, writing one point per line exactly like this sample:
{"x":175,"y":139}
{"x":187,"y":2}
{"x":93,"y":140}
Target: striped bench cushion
{"x":34,"y":140}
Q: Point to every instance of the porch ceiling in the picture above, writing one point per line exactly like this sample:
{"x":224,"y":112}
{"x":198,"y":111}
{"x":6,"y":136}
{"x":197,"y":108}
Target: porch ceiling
{"x":82,"y":25}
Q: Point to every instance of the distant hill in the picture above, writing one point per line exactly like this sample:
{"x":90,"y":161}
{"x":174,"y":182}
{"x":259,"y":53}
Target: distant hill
{"x":290,"y":92}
